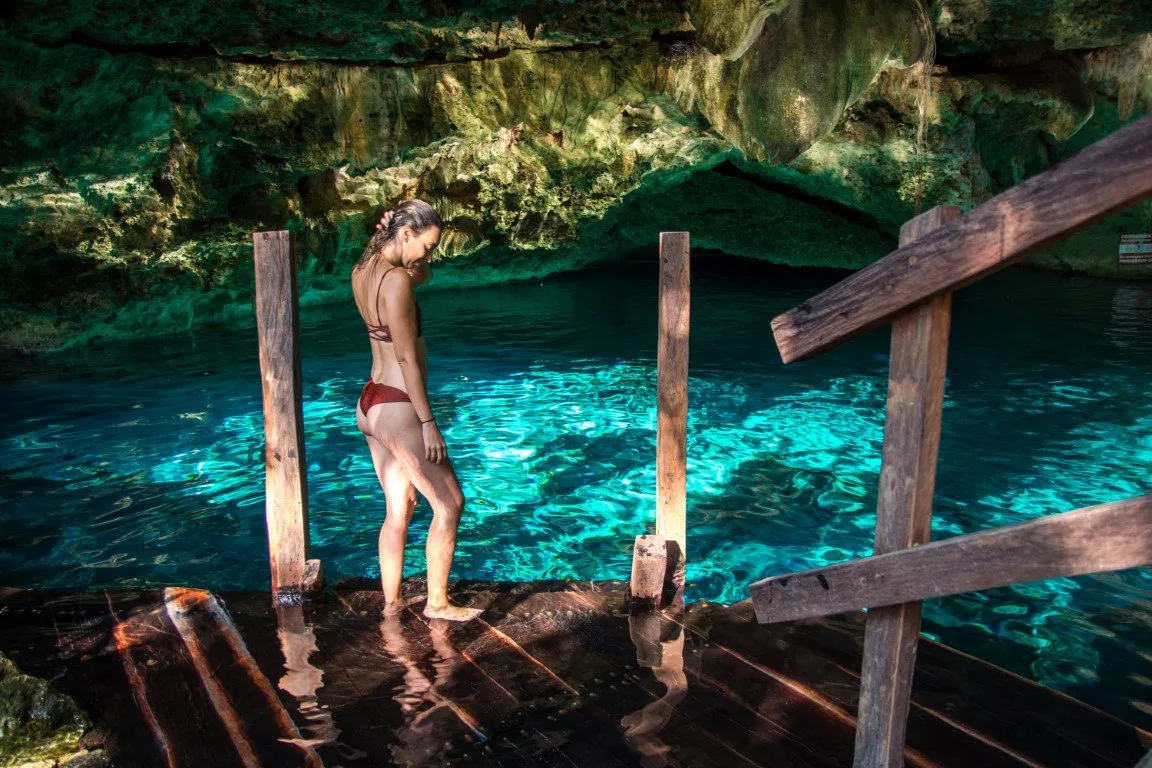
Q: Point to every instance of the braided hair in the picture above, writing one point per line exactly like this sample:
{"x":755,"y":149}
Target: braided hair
{"x":414,"y":213}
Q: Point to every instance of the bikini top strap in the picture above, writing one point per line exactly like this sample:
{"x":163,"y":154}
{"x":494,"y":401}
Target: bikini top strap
{"x":379,"y":286}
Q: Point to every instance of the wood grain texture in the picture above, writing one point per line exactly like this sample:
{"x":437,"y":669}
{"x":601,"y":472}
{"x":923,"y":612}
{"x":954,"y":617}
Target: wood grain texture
{"x":286,"y":485}
{"x":259,"y":727}
{"x":1109,"y":176}
{"x":414,"y":692}
{"x":672,"y":397}
{"x":1105,"y":537}
{"x":649,"y":564}
{"x":917,"y":364}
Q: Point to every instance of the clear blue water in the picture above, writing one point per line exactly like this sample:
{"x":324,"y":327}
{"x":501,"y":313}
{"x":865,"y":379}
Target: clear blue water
{"x":140,"y":464}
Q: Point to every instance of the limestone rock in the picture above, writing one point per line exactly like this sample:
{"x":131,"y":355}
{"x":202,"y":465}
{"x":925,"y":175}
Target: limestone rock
{"x":38,"y":726}
{"x":140,"y":148}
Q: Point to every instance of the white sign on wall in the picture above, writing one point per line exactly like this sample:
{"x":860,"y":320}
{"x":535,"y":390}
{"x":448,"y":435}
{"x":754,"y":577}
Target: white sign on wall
{"x":1135,"y":249}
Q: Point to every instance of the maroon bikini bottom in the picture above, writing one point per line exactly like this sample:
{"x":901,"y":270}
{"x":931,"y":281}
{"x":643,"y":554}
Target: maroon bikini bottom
{"x":374,"y":393}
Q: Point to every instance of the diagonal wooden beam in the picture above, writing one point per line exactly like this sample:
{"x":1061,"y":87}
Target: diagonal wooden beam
{"x":1105,"y":537}
{"x":1109,"y":176}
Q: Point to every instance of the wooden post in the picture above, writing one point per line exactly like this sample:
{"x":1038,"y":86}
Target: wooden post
{"x":672,"y":407}
{"x":904,"y":507}
{"x":286,"y":485}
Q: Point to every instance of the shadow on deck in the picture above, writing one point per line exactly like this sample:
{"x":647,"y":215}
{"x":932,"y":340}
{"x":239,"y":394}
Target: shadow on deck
{"x":551,"y":675}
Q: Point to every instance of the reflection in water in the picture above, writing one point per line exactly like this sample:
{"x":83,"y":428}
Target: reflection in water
{"x":1131,"y":321}
{"x":666,"y":660}
{"x":302,"y":680}
{"x":420,"y":740}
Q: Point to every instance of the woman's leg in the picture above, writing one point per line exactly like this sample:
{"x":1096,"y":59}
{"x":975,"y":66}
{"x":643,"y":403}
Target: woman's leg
{"x":399,"y":431}
{"x":400,"y":500}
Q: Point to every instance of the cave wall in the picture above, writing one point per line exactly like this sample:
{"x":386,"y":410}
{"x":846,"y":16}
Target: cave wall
{"x":140,"y":147}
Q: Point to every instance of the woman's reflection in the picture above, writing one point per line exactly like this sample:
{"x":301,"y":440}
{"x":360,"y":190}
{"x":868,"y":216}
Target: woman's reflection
{"x":427,"y":713}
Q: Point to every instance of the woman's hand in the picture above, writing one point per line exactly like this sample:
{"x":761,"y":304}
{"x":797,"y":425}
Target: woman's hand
{"x":383,"y":223}
{"x":434,"y":449}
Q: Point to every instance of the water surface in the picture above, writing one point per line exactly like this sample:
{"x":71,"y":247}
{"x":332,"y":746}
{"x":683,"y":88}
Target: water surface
{"x":141,"y":464}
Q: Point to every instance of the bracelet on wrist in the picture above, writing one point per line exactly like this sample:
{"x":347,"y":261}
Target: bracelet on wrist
{"x":425,"y":421}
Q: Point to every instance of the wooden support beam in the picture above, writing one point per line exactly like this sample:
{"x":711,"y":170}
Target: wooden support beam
{"x":672,"y":405}
{"x":1105,"y":537}
{"x":917,"y":364}
{"x":1109,"y":176}
{"x":286,"y":485}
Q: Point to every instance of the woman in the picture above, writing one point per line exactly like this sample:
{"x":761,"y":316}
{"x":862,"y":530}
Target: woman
{"x":408,"y":450}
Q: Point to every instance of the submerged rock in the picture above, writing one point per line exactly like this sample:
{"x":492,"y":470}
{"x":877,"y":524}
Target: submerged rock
{"x":38,"y":725}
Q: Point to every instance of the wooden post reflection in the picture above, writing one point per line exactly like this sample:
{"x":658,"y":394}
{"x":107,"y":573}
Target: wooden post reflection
{"x":666,"y":660}
{"x":303,"y":680}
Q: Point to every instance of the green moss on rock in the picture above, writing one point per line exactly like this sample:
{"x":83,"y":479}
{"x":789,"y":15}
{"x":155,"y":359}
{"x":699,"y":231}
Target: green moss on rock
{"x":38,"y":726}
{"x":142,"y":148}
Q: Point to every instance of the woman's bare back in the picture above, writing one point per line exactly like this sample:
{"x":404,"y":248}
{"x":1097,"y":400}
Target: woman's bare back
{"x":368,"y":292}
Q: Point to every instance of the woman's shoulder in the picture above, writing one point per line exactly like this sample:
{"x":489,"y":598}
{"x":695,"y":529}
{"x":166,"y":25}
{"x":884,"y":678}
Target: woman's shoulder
{"x":372,"y":274}
{"x":394,"y":278}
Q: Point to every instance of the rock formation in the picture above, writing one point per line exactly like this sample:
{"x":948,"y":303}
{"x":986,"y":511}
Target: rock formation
{"x":139,"y":148}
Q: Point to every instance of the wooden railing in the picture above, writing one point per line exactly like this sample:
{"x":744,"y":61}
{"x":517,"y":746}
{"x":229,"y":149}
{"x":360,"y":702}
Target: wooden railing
{"x":941,"y":251}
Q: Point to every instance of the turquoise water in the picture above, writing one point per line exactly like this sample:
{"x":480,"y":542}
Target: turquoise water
{"x":141,"y":464}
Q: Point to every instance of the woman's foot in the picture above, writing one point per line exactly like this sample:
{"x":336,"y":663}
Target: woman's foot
{"x":395,"y":607}
{"x":451,"y":612}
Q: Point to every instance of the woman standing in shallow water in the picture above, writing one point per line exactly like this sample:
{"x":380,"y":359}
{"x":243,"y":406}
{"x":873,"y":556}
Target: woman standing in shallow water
{"x":394,"y":414}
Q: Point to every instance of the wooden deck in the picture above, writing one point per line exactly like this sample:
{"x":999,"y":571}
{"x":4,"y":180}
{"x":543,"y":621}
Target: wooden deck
{"x":552,"y":675}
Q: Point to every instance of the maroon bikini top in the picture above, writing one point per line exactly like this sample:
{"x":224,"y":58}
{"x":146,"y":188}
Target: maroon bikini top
{"x":380,"y":332}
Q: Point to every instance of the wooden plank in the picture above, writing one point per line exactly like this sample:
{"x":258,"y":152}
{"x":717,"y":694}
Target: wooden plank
{"x":748,"y":716}
{"x":672,"y":402}
{"x":1029,"y":724}
{"x":166,"y":693}
{"x":278,"y":325}
{"x":257,"y":723}
{"x":829,"y":672}
{"x":778,"y":694}
{"x":904,"y":507}
{"x":1109,"y":176}
{"x":1105,"y":537}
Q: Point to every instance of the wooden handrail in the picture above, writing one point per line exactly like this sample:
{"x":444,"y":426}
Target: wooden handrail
{"x":913,"y":287}
{"x":1105,"y":537}
{"x":1108,"y":176}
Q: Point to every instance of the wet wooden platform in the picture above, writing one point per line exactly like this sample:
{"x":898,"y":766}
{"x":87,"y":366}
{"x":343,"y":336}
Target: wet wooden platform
{"x":552,"y":675}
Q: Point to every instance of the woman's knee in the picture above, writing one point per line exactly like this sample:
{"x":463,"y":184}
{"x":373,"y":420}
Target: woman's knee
{"x":400,"y":515}
{"x":396,"y":522}
{"x":451,"y":507}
